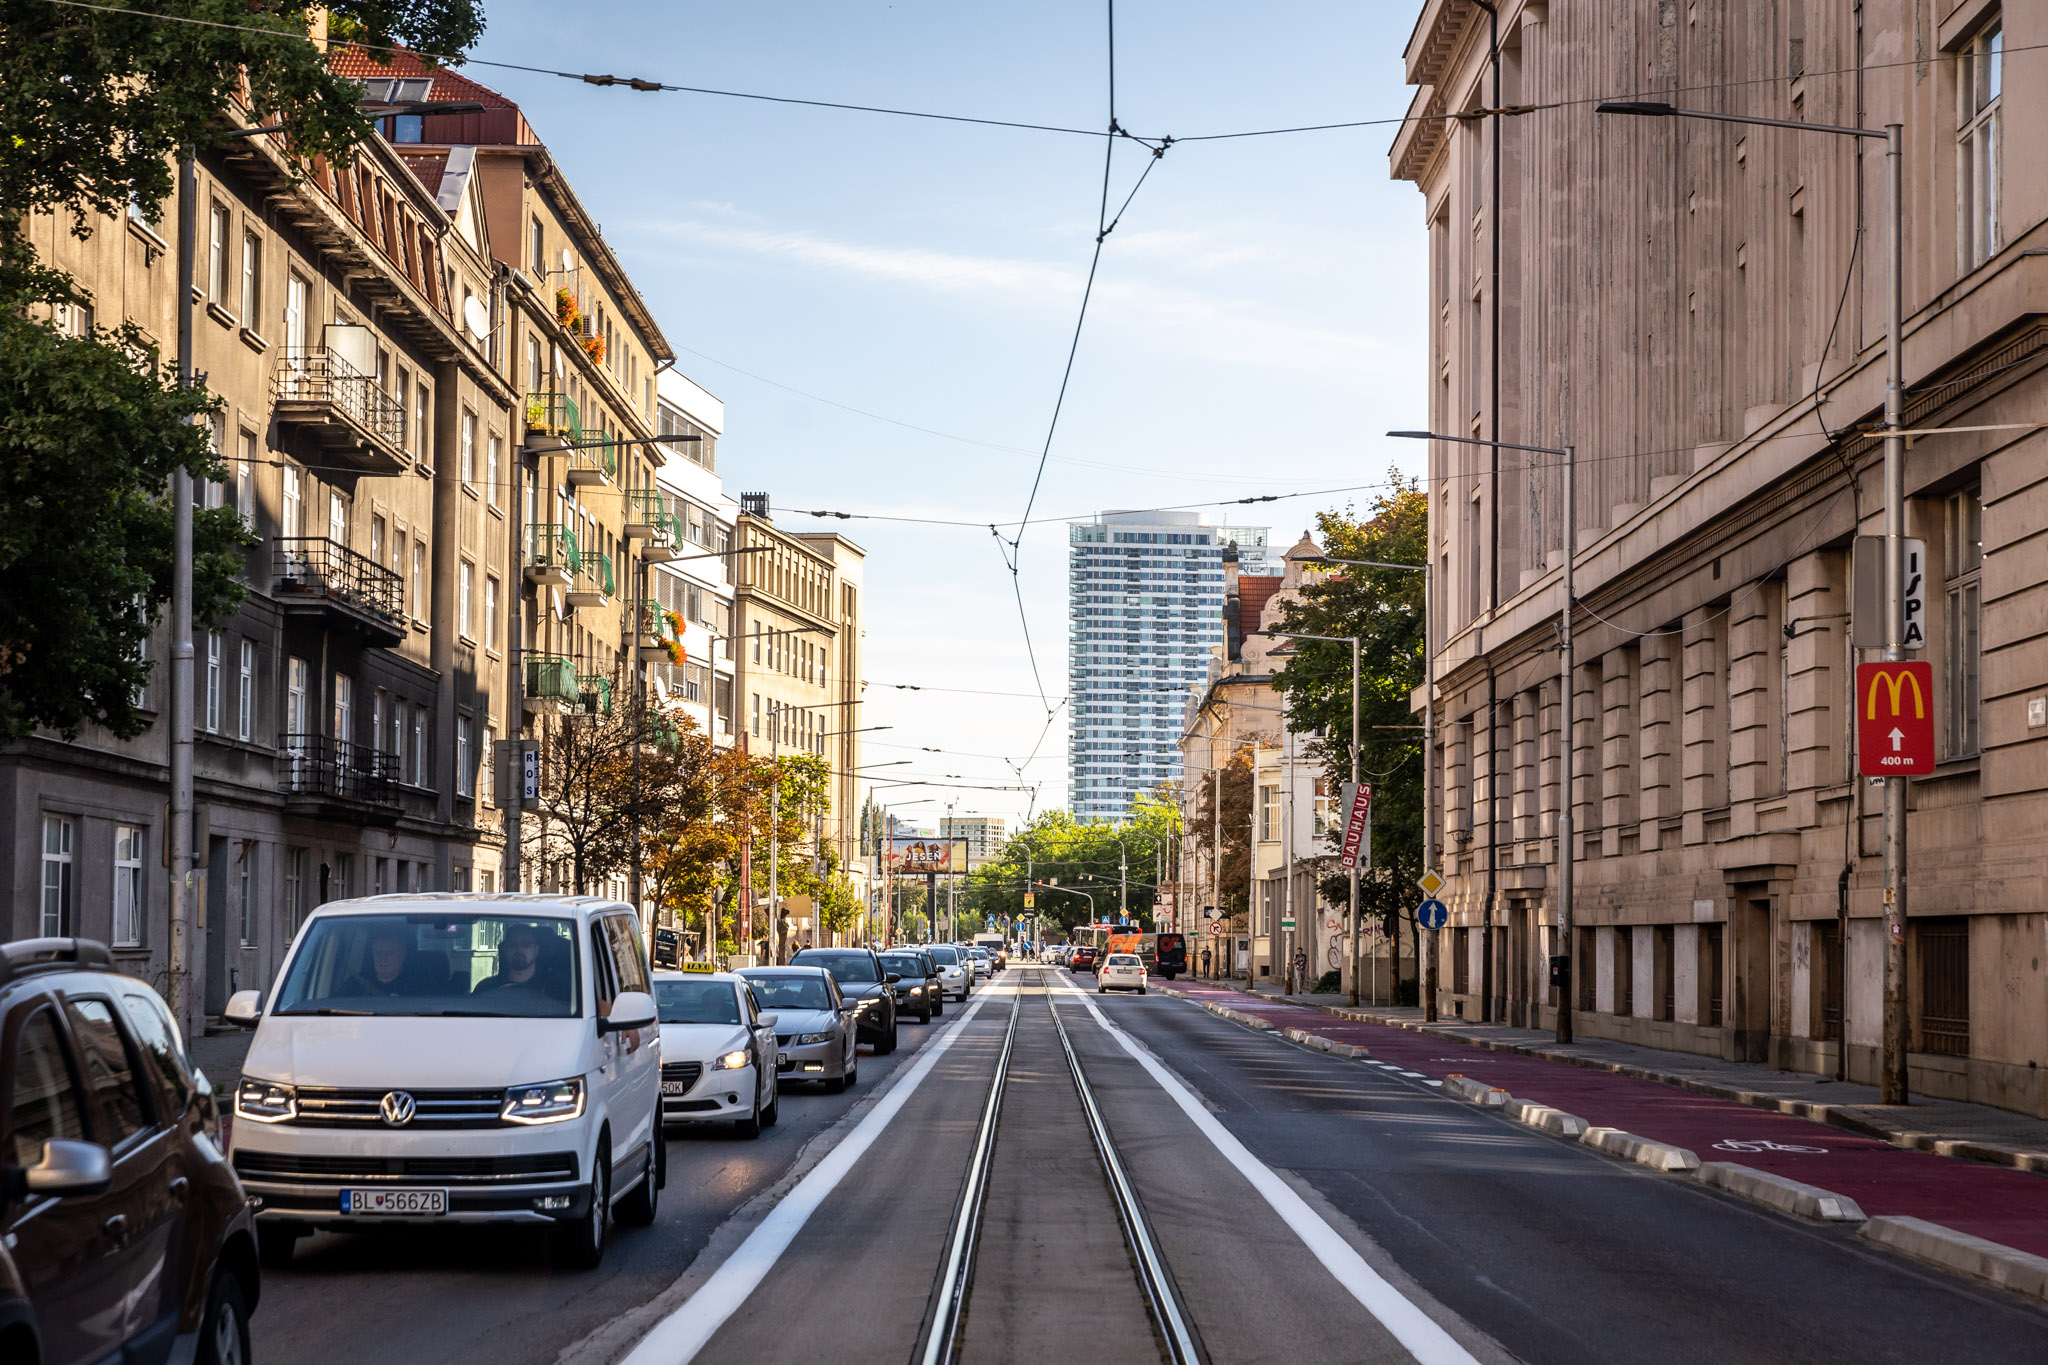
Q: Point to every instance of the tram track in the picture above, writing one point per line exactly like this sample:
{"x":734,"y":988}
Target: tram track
{"x":944,"y":1337}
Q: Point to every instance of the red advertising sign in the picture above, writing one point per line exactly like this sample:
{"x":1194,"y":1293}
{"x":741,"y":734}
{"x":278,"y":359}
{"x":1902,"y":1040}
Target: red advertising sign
{"x":1357,"y":815}
{"x":1894,"y":719}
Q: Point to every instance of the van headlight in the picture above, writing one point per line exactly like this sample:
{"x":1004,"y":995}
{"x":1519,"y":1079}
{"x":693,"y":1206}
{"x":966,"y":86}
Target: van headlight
{"x":549,"y":1103}
{"x":266,"y":1101}
{"x":732,"y":1061}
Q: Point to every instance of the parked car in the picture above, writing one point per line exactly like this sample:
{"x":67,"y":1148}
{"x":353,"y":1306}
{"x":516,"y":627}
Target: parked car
{"x":956,"y":979}
{"x":1121,"y":972}
{"x":918,"y":990}
{"x":1082,"y":959}
{"x":465,"y":1058}
{"x":814,"y":1033}
{"x":123,"y":1231}
{"x":718,"y":1054}
{"x":866,"y":986}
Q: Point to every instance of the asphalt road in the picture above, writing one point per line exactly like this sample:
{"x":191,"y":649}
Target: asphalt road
{"x":1309,"y":1208}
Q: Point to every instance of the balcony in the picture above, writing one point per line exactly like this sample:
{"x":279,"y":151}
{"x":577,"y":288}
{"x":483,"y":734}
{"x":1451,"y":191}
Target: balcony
{"x":592,"y":585}
{"x":330,"y":779}
{"x":594,"y":694}
{"x":592,"y":465}
{"x":660,"y":634}
{"x":551,"y":681}
{"x":552,"y":558}
{"x":316,"y":577}
{"x":648,"y":520}
{"x":320,"y":396}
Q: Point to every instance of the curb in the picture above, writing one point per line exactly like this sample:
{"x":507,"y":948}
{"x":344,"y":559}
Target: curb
{"x":1849,"y":1118}
{"x":1776,"y":1192}
{"x":1553,"y":1121}
{"x":1658,"y":1156}
{"x":1477,"y":1092}
{"x":1959,"y":1253}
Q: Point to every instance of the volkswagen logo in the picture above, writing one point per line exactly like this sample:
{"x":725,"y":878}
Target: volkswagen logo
{"x":397,"y":1108}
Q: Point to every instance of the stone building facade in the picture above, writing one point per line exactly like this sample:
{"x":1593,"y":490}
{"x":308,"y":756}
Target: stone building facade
{"x":1698,"y":309}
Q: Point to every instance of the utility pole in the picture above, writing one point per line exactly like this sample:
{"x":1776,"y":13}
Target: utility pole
{"x":186,"y":1001}
{"x":774,"y":831}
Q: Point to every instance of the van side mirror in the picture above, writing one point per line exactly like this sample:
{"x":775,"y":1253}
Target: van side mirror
{"x":245,"y":1008}
{"x":631,"y":1010}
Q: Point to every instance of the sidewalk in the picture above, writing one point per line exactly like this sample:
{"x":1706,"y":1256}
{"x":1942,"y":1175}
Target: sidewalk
{"x":1750,"y":1115}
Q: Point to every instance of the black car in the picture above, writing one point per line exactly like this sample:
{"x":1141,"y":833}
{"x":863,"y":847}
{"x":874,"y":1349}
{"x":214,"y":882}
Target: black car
{"x":124,"y":1233}
{"x":866,"y":985}
{"x":920,"y":991}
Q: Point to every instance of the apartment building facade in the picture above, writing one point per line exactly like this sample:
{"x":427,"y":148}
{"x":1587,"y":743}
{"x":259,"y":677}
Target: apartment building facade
{"x":694,"y":588}
{"x":1698,"y":309}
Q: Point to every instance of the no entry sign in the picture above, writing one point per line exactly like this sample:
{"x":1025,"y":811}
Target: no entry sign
{"x":1894,"y":719}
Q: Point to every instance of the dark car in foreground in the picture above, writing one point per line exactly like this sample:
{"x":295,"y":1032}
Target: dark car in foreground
{"x":865,"y":985}
{"x":919,"y":990}
{"x":124,"y":1234}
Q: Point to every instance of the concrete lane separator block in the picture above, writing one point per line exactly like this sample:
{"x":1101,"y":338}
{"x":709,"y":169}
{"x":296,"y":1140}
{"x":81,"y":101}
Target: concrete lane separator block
{"x":1476,"y":1092}
{"x":1658,"y":1156}
{"x":1980,"y":1259}
{"x":1553,"y":1121}
{"x":1351,"y":1050}
{"x":1777,"y":1192}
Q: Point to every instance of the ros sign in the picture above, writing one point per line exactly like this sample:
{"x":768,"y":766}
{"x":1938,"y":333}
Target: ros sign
{"x":1895,"y":719}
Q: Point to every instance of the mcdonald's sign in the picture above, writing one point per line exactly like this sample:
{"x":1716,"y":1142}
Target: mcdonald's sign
{"x":1894,"y":719}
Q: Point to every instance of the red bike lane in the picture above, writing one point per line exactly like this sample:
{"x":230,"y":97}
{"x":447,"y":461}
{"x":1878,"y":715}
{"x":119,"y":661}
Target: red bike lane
{"x":1993,"y":1202}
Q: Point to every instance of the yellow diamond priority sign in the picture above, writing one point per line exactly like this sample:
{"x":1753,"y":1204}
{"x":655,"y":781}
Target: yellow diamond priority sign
{"x":1430,"y":883}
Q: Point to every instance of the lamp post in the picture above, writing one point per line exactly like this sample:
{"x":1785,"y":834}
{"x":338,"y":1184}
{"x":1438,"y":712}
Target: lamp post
{"x":1566,"y":854}
{"x":1892,"y":1081}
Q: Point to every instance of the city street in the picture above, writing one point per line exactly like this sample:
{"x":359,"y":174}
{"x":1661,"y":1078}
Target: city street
{"x":1304,"y":1206}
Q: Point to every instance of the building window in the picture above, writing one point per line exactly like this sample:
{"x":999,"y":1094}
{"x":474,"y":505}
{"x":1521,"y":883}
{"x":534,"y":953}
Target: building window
{"x":217,"y":256}
{"x":419,"y":746}
{"x":245,"y":692}
{"x":127,"y":886}
{"x":489,"y":755}
{"x":419,"y":580}
{"x":245,"y":482}
{"x":1964,"y":570}
{"x":252,"y":281}
{"x":398,"y":739}
{"x":344,"y":709}
{"x":468,"y":448}
{"x":494,"y":452}
{"x":756,"y":726}
{"x":404,"y":398}
{"x":491,"y":612}
{"x":294,"y":503}
{"x":1979,"y":76}
{"x":465,"y":757}
{"x":537,"y":250}
{"x":58,"y":831}
{"x":422,"y":410}
{"x":465,"y":592}
{"x":1269,"y":814}
{"x":295,"y":869}
{"x":245,"y":891}
{"x":213,"y":682}
{"x":1944,"y":951}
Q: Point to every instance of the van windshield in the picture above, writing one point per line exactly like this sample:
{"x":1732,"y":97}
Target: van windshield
{"x":492,"y":965}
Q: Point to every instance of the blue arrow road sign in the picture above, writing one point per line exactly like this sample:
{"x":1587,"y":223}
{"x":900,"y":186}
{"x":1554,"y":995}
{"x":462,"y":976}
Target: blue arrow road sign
{"x":1431,"y":914}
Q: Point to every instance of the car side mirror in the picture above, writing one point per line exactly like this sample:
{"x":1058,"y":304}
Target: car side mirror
{"x":245,"y":1008}
{"x":894,"y":978}
{"x":68,"y":1167}
{"x":631,"y":1010}
{"x":770,"y":1020}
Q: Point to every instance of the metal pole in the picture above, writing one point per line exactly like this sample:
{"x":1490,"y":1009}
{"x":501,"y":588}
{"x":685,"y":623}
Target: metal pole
{"x":1251,"y":865}
{"x":1893,"y":1085}
{"x":512,"y":803}
{"x":1287,"y":855}
{"x":1357,"y":961}
{"x":1566,"y":853}
{"x":1216,"y":849}
{"x":630,"y":613}
{"x":774,"y":830}
{"x":185,"y":1001}
{"x":1429,"y":778}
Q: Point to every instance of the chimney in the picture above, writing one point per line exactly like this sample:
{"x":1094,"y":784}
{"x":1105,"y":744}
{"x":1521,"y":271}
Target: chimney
{"x":754,"y":505}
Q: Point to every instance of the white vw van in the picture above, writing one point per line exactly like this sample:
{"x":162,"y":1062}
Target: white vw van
{"x":454,"y":1058}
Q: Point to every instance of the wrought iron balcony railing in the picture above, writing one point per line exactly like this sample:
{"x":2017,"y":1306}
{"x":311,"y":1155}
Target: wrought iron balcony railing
{"x":318,"y":570}
{"x":336,"y":769}
{"x":317,"y":377}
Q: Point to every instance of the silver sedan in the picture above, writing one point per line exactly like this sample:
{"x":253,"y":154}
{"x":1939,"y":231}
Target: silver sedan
{"x":814,"y":1028}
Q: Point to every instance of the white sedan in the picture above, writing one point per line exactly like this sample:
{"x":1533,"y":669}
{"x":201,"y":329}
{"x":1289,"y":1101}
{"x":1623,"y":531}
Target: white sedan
{"x":1118,"y":972}
{"x":717,"y":1052}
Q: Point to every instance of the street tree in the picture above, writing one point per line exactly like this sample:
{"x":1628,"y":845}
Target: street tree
{"x":601,"y":776}
{"x":1220,"y":830}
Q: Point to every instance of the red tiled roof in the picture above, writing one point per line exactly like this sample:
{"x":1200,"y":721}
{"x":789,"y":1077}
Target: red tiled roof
{"x":427,"y":167}
{"x":449,"y":84}
{"x":1253,"y":592}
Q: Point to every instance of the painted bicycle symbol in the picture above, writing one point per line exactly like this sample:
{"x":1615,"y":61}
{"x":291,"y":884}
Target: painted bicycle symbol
{"x":1764,"y":1145}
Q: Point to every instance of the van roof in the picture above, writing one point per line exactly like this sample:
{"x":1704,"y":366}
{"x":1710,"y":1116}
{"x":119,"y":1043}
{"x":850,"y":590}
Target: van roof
{"x":519,"y":899}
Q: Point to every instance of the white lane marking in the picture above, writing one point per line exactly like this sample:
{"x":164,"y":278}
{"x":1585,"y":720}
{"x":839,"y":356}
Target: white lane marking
{"x":1412,"y":1075}
{"x":1430,"y":1082}
{"x":1424,"y":1339}
{"x":677,"y":1338}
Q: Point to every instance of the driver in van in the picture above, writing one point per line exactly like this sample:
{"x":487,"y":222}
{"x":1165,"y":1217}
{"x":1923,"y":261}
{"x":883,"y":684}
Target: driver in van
{"x":518,"y":963}
{"x":390,"y":962}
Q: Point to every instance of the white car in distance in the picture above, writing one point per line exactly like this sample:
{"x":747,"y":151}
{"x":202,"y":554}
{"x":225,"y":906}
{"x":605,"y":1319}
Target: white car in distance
{"x":717,"y":1052}
{"x":1121,"y":972}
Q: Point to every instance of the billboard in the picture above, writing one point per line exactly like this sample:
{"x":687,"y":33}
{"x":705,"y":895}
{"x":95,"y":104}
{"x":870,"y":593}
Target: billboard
{"x":920,"y":855}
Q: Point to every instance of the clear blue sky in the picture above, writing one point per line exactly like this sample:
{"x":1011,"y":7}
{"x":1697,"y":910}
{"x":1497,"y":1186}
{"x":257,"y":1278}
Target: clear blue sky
{"x":1257,"y":320}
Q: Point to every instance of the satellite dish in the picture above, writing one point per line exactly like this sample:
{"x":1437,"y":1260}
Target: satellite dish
{"x":478,"y":316}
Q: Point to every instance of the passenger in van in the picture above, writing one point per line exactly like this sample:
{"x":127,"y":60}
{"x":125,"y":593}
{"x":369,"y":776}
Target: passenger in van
{"x":519,"y":965}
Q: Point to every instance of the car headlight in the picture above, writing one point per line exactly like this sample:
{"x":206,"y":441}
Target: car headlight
{"x":803,"y":1038}
{"x":732,"y":1061}
{"x":266,"y":1101}
{"x":549,"y":1103}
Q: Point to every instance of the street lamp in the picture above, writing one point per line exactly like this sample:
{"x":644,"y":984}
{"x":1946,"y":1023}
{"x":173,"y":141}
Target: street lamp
{"x":1892,"y":1081}
{"x":1565,"y":853}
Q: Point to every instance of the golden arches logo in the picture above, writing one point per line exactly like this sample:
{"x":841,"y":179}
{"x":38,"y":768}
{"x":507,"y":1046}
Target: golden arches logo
{"x":1896,"y":683}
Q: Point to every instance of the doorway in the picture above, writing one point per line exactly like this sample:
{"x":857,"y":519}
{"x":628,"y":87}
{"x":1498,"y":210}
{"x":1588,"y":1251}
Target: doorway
{"x":1751,"y":1016}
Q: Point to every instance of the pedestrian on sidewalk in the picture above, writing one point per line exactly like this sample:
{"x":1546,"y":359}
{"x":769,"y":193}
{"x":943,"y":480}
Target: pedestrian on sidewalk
{"x":1205,"y":962}
{"x":1300,"y":970}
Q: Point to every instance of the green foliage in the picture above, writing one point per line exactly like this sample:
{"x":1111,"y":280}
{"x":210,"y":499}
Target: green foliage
{"x":97,"y":105}
{"x":1384,"y":608}
{"x":92,"y":429}
{"x":1080,"y":858}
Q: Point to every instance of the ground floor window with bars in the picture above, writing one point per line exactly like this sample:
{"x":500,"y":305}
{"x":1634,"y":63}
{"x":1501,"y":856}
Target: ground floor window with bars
{"x":1624,"y":971}
{"x":1825,"y":965}
{"x":1713,"y":938}
{"x":1944,"y":951}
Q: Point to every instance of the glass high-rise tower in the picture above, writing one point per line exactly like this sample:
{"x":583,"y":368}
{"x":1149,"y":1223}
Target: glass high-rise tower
{"x":1144,"y":605}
